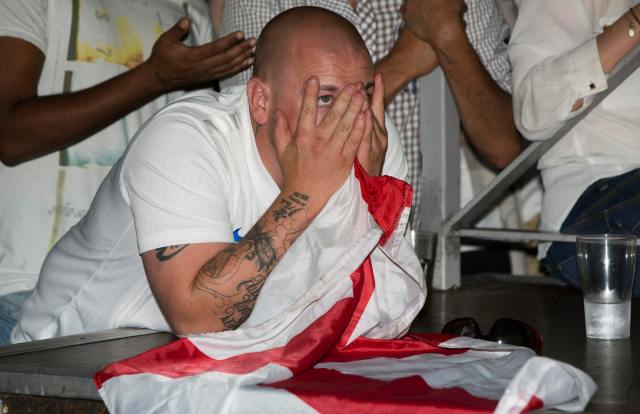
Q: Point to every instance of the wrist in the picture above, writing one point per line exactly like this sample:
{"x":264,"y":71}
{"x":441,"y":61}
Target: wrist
{"x":308,"y":202}
{"x":395,"y":70}
{"x":148,"y":79}
{"x":450,"y":36}
{"x":455,"y":50}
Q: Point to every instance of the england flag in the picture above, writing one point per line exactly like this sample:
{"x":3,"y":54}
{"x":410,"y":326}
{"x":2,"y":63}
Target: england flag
{"x":328,"y":335}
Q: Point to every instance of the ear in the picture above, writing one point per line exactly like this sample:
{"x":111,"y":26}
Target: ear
{"x":259,"y":94}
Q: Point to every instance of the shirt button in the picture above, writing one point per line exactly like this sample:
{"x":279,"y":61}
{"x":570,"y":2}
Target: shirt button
{"x":592,"y":86}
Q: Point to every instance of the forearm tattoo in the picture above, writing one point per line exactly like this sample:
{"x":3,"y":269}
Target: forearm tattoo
{"x":165,"y":253}
{"x":235,"y":276}
{"x":290,"y":205}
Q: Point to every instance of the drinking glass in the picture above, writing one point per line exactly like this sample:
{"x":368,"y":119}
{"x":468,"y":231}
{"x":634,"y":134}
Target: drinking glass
{"x":607,"y":266}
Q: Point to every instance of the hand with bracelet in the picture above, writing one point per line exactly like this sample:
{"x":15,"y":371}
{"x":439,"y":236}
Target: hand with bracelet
{"x":616,"y":41}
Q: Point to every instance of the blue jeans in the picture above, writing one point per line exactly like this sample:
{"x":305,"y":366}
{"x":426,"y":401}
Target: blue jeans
{"x":610,"y":205}
{"x":10,"y":308}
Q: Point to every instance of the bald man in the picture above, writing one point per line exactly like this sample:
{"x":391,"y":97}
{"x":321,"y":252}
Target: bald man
{"x":213,"y":191}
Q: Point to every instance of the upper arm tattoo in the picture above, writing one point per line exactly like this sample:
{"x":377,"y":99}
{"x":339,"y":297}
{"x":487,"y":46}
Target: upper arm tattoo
{"x":165,"y":253}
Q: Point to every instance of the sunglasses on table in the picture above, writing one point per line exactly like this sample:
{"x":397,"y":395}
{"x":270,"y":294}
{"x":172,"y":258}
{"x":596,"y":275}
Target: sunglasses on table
{"x":503,"y":331}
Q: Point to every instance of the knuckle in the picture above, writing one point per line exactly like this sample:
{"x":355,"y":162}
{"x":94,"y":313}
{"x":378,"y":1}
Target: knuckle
{"x":306,"y":110}
{"x":344,"y":98}
{"x":333,"y":116}
{"x":345,"y":127}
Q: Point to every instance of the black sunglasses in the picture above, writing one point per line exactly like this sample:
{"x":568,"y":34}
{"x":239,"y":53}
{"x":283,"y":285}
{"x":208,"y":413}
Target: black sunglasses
{"x":503,"y":331}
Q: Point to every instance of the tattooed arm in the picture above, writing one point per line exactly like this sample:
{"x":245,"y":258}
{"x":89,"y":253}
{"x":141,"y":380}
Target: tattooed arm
{"x":228,"y":284}
{"x":210,"y":287}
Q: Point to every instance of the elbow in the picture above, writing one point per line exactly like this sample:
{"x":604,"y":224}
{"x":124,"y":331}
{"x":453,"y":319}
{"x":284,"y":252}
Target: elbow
{"x":501,"y":163}
{"x":184,"y":328}
{"x":535,"y":118}
{"x":9,"y":158}
{"x":496,"y":150}
{"x":190,"y":324}
{"x":509,"y":153}
{"x":11,"y":154}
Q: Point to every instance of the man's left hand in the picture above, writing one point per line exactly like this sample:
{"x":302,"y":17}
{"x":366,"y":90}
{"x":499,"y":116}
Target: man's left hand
{"x":435,"y":21}
{"x":373,"y":147}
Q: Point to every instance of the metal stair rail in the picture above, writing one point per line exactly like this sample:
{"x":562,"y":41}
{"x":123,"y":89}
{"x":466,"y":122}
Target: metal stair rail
{"x":447,"y":268}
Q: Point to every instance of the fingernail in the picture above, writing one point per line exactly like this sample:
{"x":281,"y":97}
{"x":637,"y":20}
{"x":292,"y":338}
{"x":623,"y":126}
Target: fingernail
{"x":313,"y":80}
{"x":239,"y":35}
{"x":249,"y":61}
{"x":252,"y":42}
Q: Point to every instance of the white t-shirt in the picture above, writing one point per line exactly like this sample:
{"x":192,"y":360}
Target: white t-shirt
{"x":552,"y":69}
{"x":85,"y":43}
{"x":192,"y":175}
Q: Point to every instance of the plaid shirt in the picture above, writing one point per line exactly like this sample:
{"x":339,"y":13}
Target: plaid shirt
{"x":379,"y":23}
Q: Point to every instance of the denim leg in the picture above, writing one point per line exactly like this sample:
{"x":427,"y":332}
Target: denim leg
{"x":10,"y":308}
{"x":610,"y":205}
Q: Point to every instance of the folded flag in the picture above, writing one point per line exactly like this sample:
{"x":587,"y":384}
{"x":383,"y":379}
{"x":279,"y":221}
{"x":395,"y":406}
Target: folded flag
{"x":328,"y":334}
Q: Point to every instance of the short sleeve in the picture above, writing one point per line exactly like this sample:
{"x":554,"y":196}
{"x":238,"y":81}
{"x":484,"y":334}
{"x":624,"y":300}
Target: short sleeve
{"x":26,"y":20}
{"x":488,"y":33}
{"x":174,"y":181}
{"x":395,"y":163}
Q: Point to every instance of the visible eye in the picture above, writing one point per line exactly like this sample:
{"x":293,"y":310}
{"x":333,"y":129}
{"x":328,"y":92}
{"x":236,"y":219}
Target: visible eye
{"x":325,"y":100}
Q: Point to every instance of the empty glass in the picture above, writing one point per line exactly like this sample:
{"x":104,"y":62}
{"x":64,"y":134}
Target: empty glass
{"x":607,"y":265}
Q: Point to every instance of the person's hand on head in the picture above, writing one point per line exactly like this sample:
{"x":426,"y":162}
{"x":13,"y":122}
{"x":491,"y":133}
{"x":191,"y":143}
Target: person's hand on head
{"x":373,"y":147}
{"x":176,"y":65}
{"x":435,"y":21}
{"x":316,"y":159}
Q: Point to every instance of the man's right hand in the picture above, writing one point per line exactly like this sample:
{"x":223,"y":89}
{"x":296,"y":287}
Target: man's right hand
{"x":317,"y":158}
{"x":176,"y":65}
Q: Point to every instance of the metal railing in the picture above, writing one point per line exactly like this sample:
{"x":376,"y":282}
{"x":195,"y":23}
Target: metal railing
{"x":441,"y":190}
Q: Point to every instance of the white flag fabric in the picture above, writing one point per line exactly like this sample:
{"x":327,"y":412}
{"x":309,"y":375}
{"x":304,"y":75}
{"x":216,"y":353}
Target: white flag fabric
{"x":327,"y":334}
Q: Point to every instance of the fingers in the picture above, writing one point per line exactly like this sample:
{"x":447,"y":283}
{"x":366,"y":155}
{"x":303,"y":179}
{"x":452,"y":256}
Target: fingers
{"x":281,"y":131}
{"x":367,"y":142}
{"x":231,"y":61}
{"x":216,"y":62}
{"x":309,"y":109}
{"x":377,"y":101}
{"x":337,"y":111}
{"x":379,"y":136}
{"x":229,"y":45}
{"x":355,"y":139}
{"x":344,"y":131}
{"x":177,"y":32}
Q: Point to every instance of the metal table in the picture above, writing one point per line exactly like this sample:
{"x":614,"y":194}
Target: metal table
{"x":557,"y":313}
{"x":56,"y":375}
{"x":60,"y":371}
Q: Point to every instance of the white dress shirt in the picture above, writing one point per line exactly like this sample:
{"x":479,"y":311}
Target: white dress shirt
{"x":555,"y":63}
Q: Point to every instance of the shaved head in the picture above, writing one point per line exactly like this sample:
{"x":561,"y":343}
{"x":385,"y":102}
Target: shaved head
{"x":303,"y":31}
{"x":297,"y":45}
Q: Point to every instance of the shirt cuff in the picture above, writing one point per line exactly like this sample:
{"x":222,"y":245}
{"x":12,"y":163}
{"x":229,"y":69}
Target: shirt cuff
{"x":587,"y":76}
